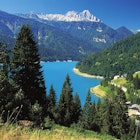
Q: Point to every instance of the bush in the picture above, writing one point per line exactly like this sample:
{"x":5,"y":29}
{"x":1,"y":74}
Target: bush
{"x":48,"y":123}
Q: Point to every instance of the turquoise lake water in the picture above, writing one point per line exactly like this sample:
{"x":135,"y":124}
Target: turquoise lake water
{"x":55,"y":74}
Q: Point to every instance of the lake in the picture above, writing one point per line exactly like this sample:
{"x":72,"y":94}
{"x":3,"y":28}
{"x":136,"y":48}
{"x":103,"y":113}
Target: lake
{"x":55,"y":74}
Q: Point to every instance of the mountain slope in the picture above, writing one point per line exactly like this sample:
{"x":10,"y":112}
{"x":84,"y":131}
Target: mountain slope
{"x":121,"y":58}
{"x":53,"y":43}
{"x":83,"y":25}
{"x":63,"y":40}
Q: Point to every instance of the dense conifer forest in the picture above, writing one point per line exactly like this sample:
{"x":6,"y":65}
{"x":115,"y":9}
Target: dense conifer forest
{"x":121,"y":58}
{"x":23,"y":95}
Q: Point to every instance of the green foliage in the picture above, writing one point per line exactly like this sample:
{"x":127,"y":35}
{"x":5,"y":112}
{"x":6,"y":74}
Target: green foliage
{"x":90,"y":119}
{"x":86,"y":112}
{"x":52,"y":103}
{"x":6,"y":90}
{"x":23,"y":95}
{"x":136,"y":82}
{"x":116,"y":121}
{"x":121,"y":58}
{"x":6,"y":96}
{"x":36,"y":114}
{"x":48,"y":123}
{"x":26,"y":74}
{"x":76,"y":108}
{"x":65,"y":105}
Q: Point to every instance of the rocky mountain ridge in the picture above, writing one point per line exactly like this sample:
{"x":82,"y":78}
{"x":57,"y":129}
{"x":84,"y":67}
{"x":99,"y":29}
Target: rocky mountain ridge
{"x":68,"y":17}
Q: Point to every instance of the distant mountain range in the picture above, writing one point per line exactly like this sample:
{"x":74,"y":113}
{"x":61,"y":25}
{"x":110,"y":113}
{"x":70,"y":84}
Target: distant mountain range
{"x":68,"y":17}
{"x":69,"y":36}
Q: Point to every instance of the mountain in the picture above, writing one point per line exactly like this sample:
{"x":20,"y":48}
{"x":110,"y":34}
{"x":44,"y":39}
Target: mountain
{"x":62,"y":37}
{"x":68,"y":17}
{"x":121,"y":58}
{"x":53,"y":43}
{"x":83,"y":25}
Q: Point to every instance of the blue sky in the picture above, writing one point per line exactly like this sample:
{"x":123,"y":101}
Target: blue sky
{"x":114,"y":13}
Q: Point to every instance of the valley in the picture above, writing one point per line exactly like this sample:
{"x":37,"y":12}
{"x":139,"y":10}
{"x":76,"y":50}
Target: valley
{"x":36,"y":49}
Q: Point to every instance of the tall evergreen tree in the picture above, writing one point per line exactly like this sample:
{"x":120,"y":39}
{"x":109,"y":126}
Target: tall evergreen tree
{"x":93,"y":118}
{"x":6,"y":90}
{"x":108,"y":107}
{"x":99,"y":115}
{"x":115,"y":120}
{"x":52,"y":103}
{"x":26,"y":71}
{"x":86,"y":112}
{"x":76,"y":108}
{"x":65,"y":104}
{"x":120,"y":119}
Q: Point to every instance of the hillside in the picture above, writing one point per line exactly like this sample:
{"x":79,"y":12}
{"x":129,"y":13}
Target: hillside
{"x":83,"y":25}
{"x":62,"y":39}
{"x":53,"y":43}
{"x":121,"y":58}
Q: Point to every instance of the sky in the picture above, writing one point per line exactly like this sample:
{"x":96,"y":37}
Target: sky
{"x":115,"y":13}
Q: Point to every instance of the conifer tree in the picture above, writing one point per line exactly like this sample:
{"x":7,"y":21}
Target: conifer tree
{"x":6,"y":96}
{"x":93,"y":118}
{"x":86,"y":112}
{"x":98,"y":116}
{"x":76,"y":108}
{"x":114,"y":112}
{"x":108,"y":107}
{"x":65,"y":112}
{"x":26,"y":71}
{"x":6,"y":90}
{"x":52,"y":103}
{"x":120,"y":119}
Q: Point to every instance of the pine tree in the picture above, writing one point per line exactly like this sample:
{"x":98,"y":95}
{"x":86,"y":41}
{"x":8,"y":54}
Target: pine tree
{"x":26,"y":71}
{"x":6,"y":90}
{"x":65,"y":104}
{"x":52,"y":103}
{"x":76,"y":108}
{"x":120,"y":119}
{"x":98,"y":116}
{"x":108,"y":108}
{"x":93,"y":118}
{"x":116,"y":121}
{"x":86,"y":112}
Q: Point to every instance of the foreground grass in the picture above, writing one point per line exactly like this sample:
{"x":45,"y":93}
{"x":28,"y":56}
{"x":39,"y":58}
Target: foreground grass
{"x":10,"y":132}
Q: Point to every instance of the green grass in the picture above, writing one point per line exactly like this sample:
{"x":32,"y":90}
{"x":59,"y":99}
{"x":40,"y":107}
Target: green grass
{"x":98,"y":91}
{"x":120,"y":81}
{"x":136,"y":73}
{"x":11,"y":132}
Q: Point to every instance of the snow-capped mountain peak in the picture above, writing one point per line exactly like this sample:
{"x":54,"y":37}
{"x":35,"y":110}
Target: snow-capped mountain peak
{"x":86,"y":14}
{"x":70,"y":16}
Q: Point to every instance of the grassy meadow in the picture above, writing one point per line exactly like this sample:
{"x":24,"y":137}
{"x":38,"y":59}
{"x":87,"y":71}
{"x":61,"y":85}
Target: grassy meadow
{"x":11,"y":132}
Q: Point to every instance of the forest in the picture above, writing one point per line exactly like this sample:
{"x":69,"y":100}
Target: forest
{"x":23,"y":96}
{"x":121,"y":58}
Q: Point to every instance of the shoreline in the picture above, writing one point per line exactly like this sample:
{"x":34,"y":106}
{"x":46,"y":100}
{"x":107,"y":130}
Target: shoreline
{"x":97,"y":91}
{"x":86,"y":75}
